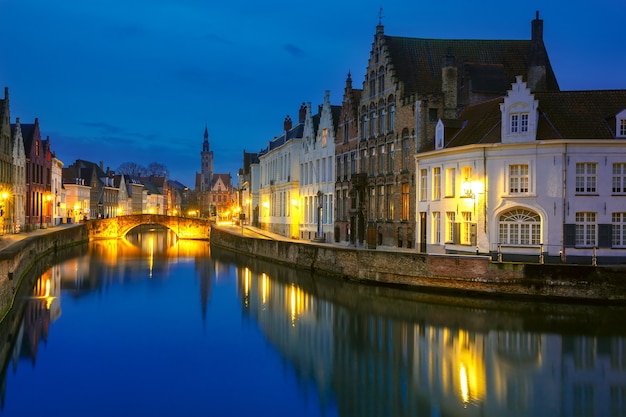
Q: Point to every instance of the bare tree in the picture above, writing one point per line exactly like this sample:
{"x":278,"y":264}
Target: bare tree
{"x":157,"y":169}
{"x":131,"y":168}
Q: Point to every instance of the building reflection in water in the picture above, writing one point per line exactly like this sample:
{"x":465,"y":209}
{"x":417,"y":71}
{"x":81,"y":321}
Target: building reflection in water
{"x":377,"y":351}
{"x":385,"y":352}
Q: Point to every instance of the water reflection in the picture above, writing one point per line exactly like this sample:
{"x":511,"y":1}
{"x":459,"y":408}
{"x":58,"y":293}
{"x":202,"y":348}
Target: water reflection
{"x":367,"y":351}
{"x":386,"y":352}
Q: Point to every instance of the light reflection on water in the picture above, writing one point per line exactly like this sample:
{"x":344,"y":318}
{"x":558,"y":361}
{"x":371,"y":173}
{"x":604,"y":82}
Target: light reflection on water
{"x":178,"y":329}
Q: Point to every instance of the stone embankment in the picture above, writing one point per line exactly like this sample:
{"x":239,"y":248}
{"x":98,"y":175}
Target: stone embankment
{"x":19,"y":253}
{"x":450,"y":273}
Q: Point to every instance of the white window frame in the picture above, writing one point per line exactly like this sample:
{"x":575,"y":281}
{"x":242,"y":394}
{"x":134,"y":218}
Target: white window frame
{"x":586,"y":178}
{"x":618,"y":230}
{"x":436,"y":232}
{"x":519,"y":227}
{"x":436,"y":183}
{"x":423,"y":184}
{"x":466,"y":229}
{"x":519,"y":181}
{"x":619,"y":178}
{"x":450,"y":219}
{"x":586,"y":229}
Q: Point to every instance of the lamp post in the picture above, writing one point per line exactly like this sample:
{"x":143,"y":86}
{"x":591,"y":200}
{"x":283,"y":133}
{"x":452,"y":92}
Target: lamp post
{"x":320,"y":232}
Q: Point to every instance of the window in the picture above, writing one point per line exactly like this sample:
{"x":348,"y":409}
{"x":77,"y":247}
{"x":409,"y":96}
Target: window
{"x":372,"y":160}
{"x":450,"y":174}
{"x":390,"y":150}
{"x":372,"y":215}
{"x":405,"y":201}
{"x":381,"y":158}
{"x":520,"y":227}
{"x":390,"y":207}
{"x":519,"y":123}
{"x":466,"y":185}
{"x":436,"y":183}
{"x":450,"y":217}
{"x":352,"y":162}
{"x":466,"y":229}
{"x":423,"y":182}
{"x":364,"y":127}
{"x":324,"y":137}
{"x":381,"y":201}
{"x":586,"y":229}
{"x":622,"y":128}
{"x":618,"y":230}
{"x":363,"y":160}
{"x":345,"y":166}
{"x":391,"y":120}
{"x":619,"y":178}
{"x":432,"y":115}
{"x":381,"y":121}
{"x":436,"y":227}
{"x":518,"y":179}
{"x":586,"y":177}
{"x":405,"y":153}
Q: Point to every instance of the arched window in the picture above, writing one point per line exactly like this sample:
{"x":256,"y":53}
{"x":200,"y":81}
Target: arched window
{"x":519,"y":227}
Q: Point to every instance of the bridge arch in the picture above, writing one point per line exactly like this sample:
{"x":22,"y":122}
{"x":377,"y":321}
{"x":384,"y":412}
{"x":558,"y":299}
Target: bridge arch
{"x":117,"y":227}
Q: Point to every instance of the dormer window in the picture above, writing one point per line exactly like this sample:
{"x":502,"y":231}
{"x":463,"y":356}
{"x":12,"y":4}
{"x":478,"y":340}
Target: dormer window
{"x":620,"y":129}
{"x":519,"y":122}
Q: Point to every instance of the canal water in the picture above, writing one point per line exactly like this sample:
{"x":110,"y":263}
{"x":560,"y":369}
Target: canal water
{"x":152,"y":326}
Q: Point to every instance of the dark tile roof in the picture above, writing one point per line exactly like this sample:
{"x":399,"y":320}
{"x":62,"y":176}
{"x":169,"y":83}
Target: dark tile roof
{"x":562,"y":115}
{"x":579,"y":114}
{"x":417,"y":62}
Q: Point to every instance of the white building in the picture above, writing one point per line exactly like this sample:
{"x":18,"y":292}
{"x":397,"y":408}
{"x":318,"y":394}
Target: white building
{"x":279,"y":210}
{"x":317,"y":172}
{"x":529,"y":177}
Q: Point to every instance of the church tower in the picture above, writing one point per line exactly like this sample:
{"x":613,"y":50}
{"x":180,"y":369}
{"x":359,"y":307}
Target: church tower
{"x":206,"y":173}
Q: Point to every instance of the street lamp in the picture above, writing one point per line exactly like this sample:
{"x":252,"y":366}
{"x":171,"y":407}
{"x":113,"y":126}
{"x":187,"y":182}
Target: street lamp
{"x":48,"y":197}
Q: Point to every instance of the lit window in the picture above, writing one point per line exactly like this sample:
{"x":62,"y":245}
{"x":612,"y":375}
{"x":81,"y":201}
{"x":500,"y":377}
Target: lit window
{"x":586,"y":229}
{"x":622,"y":127}
{"x":586,"y":177}
{"x":518,"y":179}
{"x":450,"y":217}
{"x":405,"y":201}
{"x":423,"y":186}
{"x":466,"y":230}
{"x":436,"y":183}
{"x":450,"y":174}
{"x":436,"y":227}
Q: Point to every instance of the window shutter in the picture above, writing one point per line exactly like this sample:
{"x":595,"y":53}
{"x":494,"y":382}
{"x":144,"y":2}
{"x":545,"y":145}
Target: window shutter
{"x":604,"y":235}
{"x":569,"y":230}
{"x":456,"y":238}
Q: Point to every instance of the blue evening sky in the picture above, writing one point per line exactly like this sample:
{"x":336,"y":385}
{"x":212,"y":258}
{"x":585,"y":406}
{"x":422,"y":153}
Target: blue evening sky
{"x":138,"y":80}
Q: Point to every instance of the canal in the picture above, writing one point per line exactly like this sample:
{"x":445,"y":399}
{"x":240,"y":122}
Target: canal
{"x":152,"y":326}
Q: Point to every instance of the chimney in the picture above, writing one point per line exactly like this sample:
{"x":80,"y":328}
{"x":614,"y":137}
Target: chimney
{"x":537,"y":57}
{"x":287,"y":125}
{"x":449,"y":88}
{"x":302,"y":113}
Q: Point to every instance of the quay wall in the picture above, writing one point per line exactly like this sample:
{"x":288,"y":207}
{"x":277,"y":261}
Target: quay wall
{"x":448,"y":273}
{"x":17,"y":259}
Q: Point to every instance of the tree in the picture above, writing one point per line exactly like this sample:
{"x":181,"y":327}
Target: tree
{"x":132,"y":169}
{"x":157,"y":169}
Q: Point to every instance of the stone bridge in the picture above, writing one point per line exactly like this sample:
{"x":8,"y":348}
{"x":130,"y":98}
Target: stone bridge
{"x":117,"y":227}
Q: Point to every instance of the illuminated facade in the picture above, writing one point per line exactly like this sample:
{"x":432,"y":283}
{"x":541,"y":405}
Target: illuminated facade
{"x":317,"y":172}
{"x":279,"y":184}
{"x":529,"y":176}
